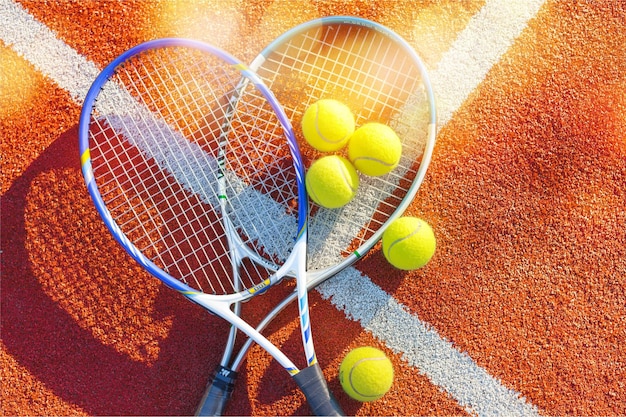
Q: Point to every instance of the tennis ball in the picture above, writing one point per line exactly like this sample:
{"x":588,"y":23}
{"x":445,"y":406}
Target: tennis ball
{"x":375,"y":149}
{"x":409,"y":243}
{"x":332,"y":181}
{"x":366,"y":374}
{"x":327,"y":125}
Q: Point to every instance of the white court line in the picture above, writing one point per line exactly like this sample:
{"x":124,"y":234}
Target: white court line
{"x":41,"y":47}
{"x":487,"y":36}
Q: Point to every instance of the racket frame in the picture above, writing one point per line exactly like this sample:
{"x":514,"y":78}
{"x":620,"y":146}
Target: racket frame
{"x":222,"y":305}
{"x":225,"y":374}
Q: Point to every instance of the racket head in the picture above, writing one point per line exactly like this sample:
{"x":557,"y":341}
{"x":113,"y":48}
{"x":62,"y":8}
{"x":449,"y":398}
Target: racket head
{"x":193,"y":166}
{"x":381,"y":78}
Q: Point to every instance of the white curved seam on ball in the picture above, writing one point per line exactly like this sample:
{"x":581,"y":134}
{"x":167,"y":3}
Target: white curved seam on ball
{"x":369,"y":158}
{"x":419,"y":226}
{"x":346,"y":178}
{"x":352,"y":370}
{"x":319,"y":133}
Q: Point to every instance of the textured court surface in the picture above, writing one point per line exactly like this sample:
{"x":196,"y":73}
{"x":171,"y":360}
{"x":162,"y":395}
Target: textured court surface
{"x":522,"y":311}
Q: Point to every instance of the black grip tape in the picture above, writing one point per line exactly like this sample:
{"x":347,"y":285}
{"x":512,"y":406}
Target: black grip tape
{"x":313,"y":384}
{"x":217,"y":394}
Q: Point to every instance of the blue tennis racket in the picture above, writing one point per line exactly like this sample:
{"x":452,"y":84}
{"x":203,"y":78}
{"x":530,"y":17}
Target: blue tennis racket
{"x":194,"y":167}
{"x":381,"y":78}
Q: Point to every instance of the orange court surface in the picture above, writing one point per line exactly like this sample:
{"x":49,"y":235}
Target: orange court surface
{"x":521,"y":311}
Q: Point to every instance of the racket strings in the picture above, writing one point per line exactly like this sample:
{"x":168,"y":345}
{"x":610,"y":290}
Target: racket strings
{"x":162,"y":90}
{"x":164,"y":154}
{"x":380,"y":81}
{"x":355,"y":63}
{"x":264,"y":182}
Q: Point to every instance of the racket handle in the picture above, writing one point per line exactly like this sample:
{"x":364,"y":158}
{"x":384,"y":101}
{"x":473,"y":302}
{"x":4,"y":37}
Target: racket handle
{"x":313,"y":384}
{"x":217,"y":394}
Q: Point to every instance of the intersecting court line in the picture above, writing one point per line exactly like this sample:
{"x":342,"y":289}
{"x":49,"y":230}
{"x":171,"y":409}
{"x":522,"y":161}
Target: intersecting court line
{"x":488,"y":35}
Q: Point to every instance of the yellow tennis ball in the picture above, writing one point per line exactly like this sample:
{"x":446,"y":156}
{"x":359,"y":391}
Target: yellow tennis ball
{"x":375,"y":149}
{"x":332,"y":181}
{"x":409,"y":243}
{"x":327,"y":125}
{"x":366,"y":374}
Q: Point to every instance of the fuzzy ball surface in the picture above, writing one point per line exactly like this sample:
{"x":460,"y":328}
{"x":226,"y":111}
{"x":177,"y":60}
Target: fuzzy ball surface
{"x":366,"y":374}
{"x":332,"y":181}
{"x":409,"y":243}
{"x":375,"y":149}
{"x":327,"y":125}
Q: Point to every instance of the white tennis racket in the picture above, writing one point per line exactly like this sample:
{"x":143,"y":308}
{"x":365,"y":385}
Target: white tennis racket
{"x":193,"y":166}
{"x":381,"y":78}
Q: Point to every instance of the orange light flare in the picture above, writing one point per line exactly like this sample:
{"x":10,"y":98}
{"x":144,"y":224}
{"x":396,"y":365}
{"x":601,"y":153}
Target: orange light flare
{"x":217,"y":23}
{"x":19,"y":83}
